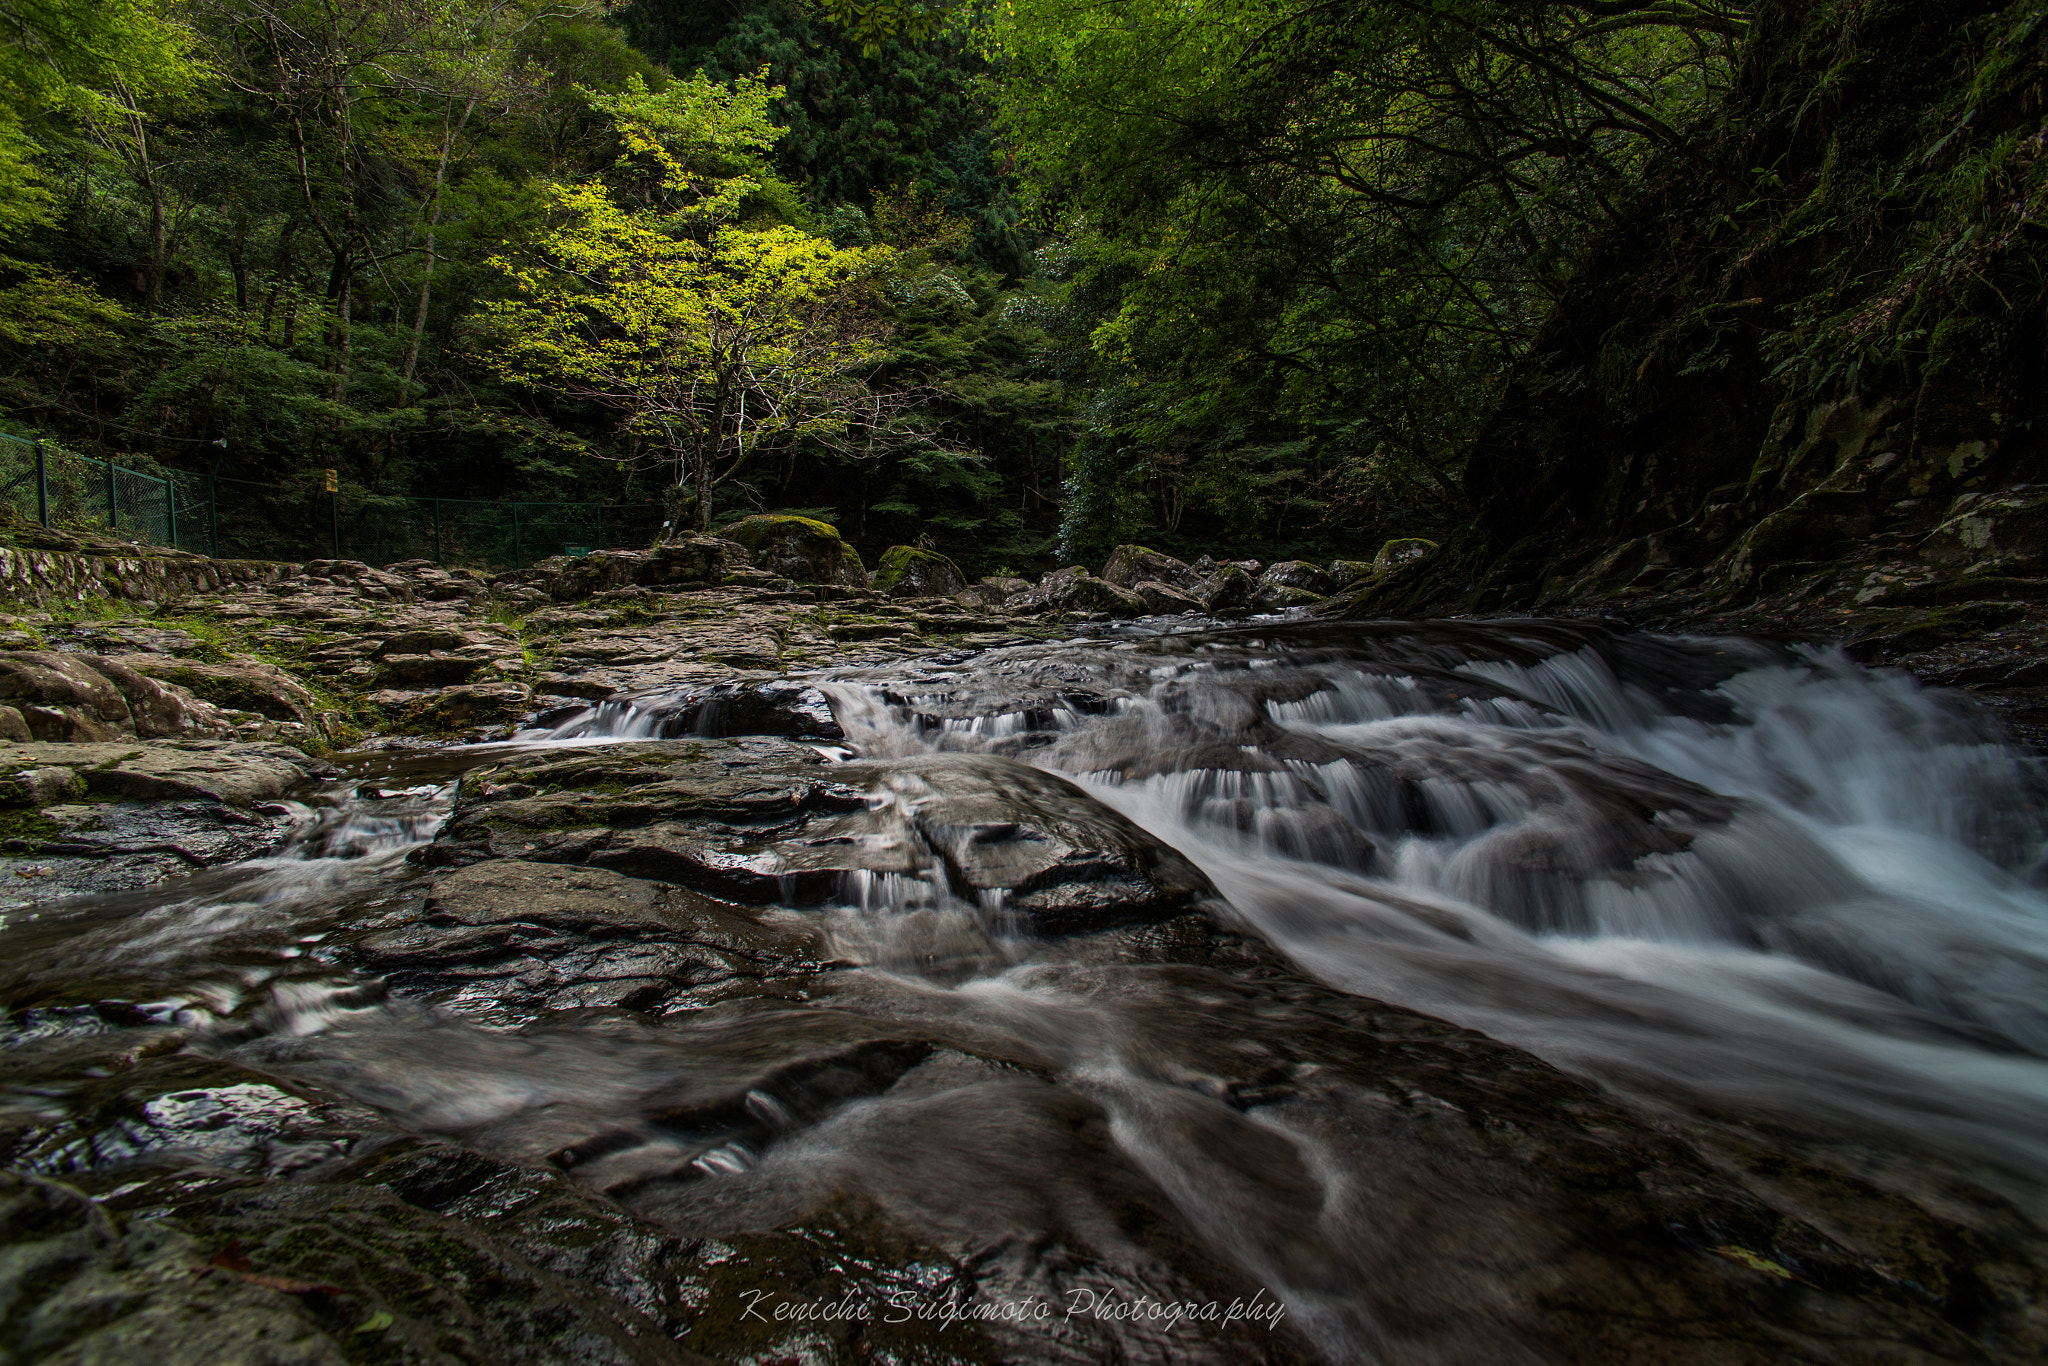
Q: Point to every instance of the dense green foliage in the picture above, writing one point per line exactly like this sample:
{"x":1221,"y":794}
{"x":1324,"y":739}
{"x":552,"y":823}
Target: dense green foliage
{"x":259,"y":238}
{"x":1245,"y":276}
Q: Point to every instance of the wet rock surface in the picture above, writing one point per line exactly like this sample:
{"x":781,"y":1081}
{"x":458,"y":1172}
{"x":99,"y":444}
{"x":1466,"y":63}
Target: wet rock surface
{"x":561,"y":1048}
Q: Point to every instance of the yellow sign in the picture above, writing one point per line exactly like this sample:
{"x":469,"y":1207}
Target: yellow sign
{"x":330,"y":486}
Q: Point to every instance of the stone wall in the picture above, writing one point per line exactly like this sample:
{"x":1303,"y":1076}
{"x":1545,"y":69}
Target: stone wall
{"x":45,"y":576}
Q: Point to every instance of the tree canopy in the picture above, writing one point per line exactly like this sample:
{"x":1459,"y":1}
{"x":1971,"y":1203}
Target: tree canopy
{"x":1211,"y":274}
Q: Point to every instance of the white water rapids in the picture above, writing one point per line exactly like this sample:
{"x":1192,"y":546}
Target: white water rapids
{"x":1786,"y":903}
{"x":1849,"y":939}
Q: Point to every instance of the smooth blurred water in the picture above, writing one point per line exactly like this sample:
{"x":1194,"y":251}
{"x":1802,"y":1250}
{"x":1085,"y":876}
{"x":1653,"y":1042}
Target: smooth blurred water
{"x":1749,"y":885}
{"x":1710,"y":872}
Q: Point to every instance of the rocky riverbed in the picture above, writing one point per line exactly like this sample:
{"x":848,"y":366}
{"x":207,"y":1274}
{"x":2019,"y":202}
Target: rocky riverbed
{"x":719,"y":953}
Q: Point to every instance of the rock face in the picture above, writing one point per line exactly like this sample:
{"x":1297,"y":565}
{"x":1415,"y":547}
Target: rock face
{"x":1131,"y":565}
{"x":245,"y":685}
{"x":907,"y":572}
{"x":1229,"y":589}
{"x":57,"y":696}
{"x":1165,"y":600}
{"x":96,"y":817}
{"x":799,"y":548}
{"x":760,"y":820}
{"x":1076,"y":591}
{"x":997,"y":591}
{"x":1403,"y":550}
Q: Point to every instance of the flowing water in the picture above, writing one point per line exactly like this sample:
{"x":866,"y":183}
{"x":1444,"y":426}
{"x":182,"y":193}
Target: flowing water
{"x":1749,"y":885}
{"x":1831,"y":915}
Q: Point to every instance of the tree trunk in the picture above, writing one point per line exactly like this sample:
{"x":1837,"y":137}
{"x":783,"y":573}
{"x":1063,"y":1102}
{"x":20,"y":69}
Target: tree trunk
{"x":343,"y":300}
{"x":238,"y":261}
{"x":282,"y":268}
{"x":419,"y":318}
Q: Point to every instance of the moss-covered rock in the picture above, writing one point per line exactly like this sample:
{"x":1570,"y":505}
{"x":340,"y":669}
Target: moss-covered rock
{"x":1229,"y":589}
{"x":242,"y":683}
{"x":1131,"y":565}
{"x":1402,"y":550}
{"x":1078,"y":591}
{"x":908,"y":572}
{"x":799,"y":548}
{"x":1344,"y":573}
{"x":1298,"y":574}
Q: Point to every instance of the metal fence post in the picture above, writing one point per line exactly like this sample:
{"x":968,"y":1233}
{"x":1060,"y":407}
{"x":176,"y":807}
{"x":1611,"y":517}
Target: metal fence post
{"x":212,"y":517}
{"x":600,"y":526}
{"x":113,"y":512}
{"x":42,"y":485}
{"x":171,"y":504}
{"x":438,"y":558}
{"x":518,"y":553}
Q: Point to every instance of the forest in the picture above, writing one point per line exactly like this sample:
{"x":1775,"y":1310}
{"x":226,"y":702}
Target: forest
{"x":1250,"y":277}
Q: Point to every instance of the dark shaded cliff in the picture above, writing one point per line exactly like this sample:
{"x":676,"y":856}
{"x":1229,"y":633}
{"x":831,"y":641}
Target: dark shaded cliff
{"x":1800,"y":387}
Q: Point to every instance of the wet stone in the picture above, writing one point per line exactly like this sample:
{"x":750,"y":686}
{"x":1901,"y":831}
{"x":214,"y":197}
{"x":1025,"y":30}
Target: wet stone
{"x":651,"y":1027}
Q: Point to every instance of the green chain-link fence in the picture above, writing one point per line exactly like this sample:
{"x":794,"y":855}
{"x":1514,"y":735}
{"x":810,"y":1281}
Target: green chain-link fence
{"x":483,"y":534}
{"x":300,"y":520}
{"x":46,"y":483}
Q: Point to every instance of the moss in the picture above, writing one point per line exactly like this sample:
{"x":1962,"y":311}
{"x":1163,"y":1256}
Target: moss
{"x":898,"y":561}
{"x":222,"y":692}
{"x":27,"y":828}
{"x":212,"y":647}
{"x":92,"y":608}
{"x":751,"y":531}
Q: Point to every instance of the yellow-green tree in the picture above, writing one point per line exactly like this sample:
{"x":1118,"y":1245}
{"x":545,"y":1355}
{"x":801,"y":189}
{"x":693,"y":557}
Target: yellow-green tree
{"x":673,"y":298}
{"x":81,"y":58}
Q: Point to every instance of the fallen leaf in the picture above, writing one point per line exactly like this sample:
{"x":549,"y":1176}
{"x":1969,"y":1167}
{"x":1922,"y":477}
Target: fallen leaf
{"x":1756,"y":1262}
{"x":289,"y":1285}
{"x":231,"y":1258}
{"x":236,"y":1263}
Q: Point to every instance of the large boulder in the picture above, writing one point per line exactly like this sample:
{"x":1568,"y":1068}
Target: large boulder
{"x":1280,"y":598}
{"x":1402,"y":550}
{"x":1229,"y":589}
{"x":1299,"y":574}
{"x":1344,"y":573}
{"x":240,"y":683}
{"x":998,"y":590}
{"x":1131,"y":565}
{"x":1077,"y":591}
{"x":799,"y":548}
{"x":569,"y":577}
{"x":1164,"y":600}
{"x":691,"y":561}
{"x":908,"y":572}
{"x":1291,"y":583}
{"x":1034,"y":843}
{"x":77,"y":698}
{"x":761,"y":821}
